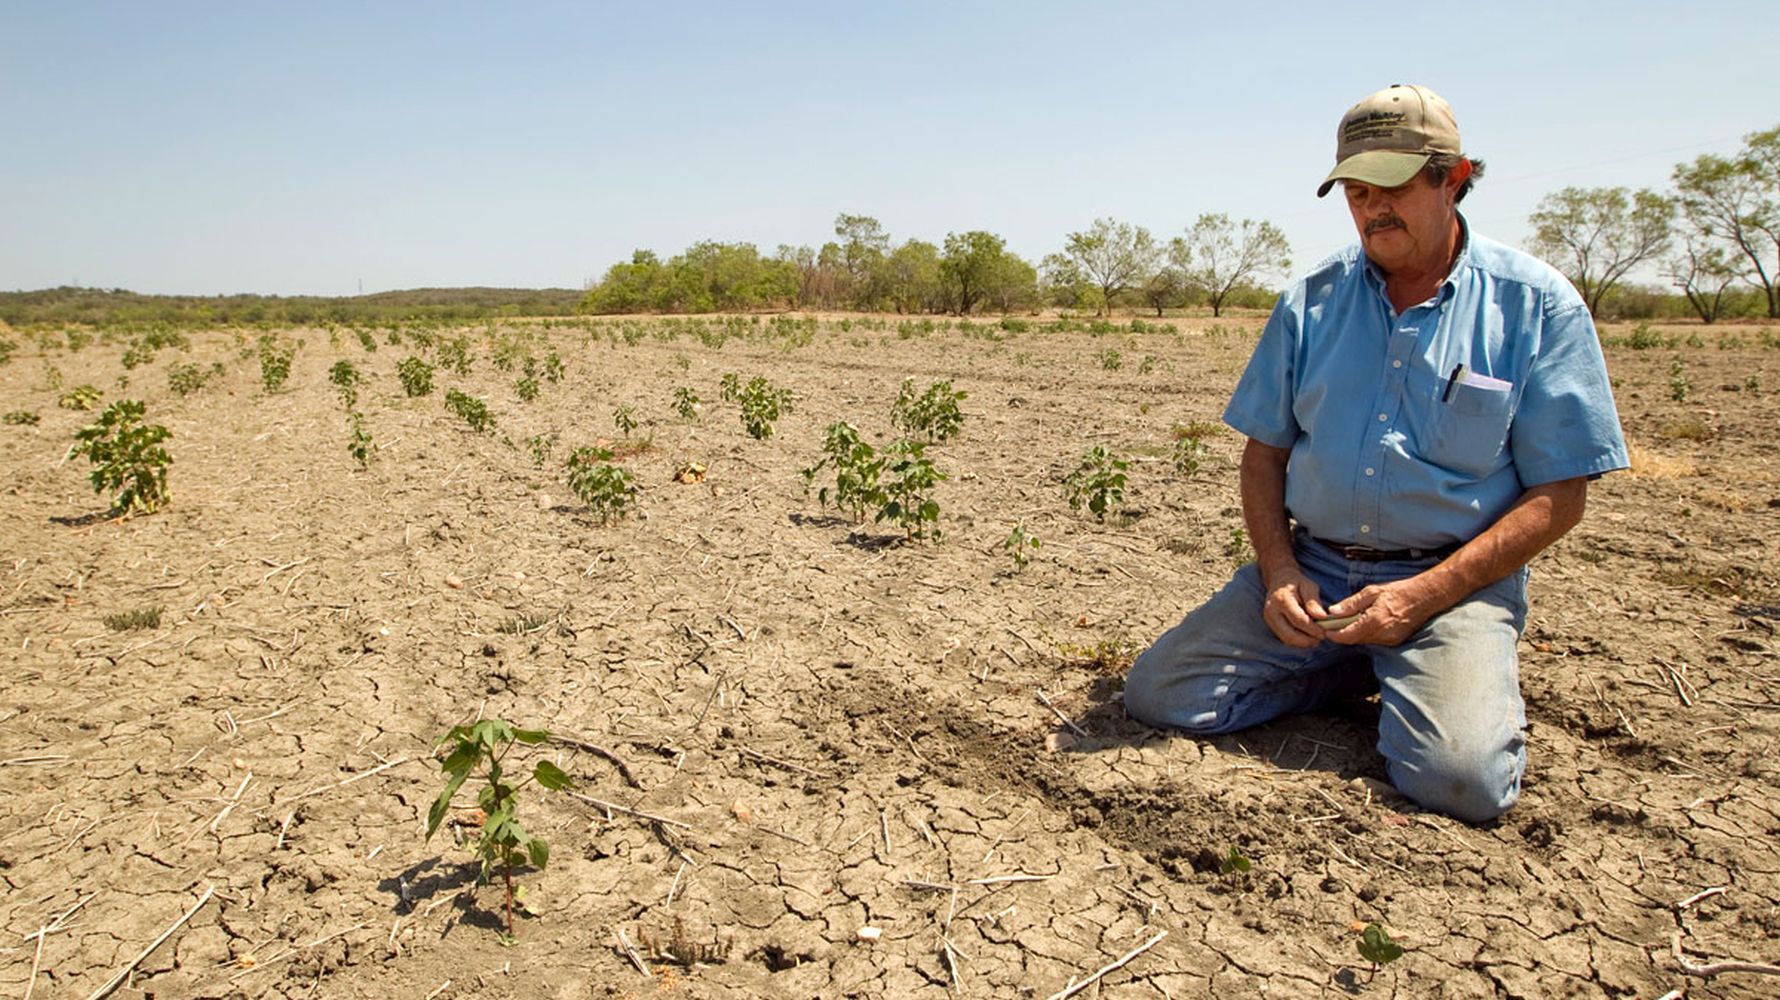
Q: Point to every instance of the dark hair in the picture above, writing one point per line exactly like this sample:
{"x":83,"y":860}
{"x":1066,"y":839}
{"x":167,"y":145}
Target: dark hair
{"x":1441,"y":164}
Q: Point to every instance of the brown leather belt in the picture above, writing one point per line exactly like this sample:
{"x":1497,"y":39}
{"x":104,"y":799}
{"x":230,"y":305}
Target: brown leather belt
{"x":1360,"y":553}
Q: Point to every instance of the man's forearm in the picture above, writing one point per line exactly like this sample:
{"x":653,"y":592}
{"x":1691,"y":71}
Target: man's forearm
{"x":1263,"y":487}
{"x":1540,"y":517}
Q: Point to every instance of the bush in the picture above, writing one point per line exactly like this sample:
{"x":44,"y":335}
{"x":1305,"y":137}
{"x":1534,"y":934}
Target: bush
{"x":127,"y":457}
{"x":82,"y":397}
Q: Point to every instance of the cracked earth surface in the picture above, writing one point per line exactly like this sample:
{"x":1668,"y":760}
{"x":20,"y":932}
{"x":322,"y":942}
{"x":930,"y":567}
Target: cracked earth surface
{"x":823,"y":733}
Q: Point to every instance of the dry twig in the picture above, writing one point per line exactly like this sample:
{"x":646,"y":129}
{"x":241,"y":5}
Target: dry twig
{"x":1075,"y":988}
{"x":115,"y":981}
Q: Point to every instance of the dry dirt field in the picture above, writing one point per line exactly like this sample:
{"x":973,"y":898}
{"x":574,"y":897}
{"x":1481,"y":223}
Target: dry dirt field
{"x":822,"y":730}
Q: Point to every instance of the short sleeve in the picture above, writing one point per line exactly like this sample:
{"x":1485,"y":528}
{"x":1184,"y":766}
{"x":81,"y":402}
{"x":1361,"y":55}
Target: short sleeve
{"x":1566,"y":425}
{"x":1261,"y":407}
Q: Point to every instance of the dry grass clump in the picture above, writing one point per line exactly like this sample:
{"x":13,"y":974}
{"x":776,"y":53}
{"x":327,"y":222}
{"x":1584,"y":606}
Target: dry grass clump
{"x":1651,"y":464}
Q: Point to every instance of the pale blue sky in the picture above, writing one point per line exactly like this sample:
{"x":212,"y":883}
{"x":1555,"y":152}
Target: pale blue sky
{"x":207,"y":147}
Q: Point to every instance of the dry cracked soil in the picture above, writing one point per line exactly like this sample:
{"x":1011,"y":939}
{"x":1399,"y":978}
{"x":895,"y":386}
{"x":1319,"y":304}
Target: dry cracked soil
{"x":812,"y":759}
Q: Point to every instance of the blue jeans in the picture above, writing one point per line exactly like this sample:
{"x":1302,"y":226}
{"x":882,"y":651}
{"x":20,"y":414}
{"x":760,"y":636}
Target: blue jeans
{"x":1452,"y":723}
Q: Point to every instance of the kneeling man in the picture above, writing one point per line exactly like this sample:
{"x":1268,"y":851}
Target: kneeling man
{"x":1424,"y":411}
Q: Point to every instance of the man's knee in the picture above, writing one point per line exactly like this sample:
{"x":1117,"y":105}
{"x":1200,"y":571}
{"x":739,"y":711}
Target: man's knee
{"x":1474,"y":787}
{"x":1157,"y":694}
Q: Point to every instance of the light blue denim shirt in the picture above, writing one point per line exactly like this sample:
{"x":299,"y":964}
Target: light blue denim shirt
{"x":1420,"y":430}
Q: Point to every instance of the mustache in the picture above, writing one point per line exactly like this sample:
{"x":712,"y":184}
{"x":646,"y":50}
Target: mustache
{"x":1388,"y":222}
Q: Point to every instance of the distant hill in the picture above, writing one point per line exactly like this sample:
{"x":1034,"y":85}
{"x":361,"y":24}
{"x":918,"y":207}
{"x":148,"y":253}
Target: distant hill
{"x":100,"y":306}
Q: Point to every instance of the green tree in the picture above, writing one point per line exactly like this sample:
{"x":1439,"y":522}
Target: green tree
{"x":627,"y":287}
{"x":863,"y":248}
{"x":968,"y":267}
{"x":1164,"y":287}
{"x":1113,"y":255}
{"x":1736,"y":200}
{"x":1596,"y":236}
{"x":1216,"y":256}
{"x":913,"y":282}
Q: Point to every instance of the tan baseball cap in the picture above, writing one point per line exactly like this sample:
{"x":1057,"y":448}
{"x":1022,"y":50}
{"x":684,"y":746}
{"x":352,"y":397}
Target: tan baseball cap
{"x":1388,"y":137}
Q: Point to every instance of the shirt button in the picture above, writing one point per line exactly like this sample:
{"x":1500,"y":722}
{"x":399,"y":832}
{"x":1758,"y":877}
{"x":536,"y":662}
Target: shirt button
{"x":1396,"y":364}
{"x":1382,"y":418}
{"x":1369,"y":472}
{"x":1365,"y":529}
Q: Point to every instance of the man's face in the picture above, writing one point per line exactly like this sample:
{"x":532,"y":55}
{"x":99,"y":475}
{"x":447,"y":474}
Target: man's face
{"x":1407,"y":227}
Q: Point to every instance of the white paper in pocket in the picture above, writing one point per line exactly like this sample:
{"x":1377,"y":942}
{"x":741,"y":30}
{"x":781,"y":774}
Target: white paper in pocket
{"x":1485,"y":382}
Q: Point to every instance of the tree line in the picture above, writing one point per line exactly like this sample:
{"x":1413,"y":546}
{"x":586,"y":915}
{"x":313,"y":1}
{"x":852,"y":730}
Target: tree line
{"x":1215,"y":262}
{"x":1715,"y":238}
{"x":98,"y":306}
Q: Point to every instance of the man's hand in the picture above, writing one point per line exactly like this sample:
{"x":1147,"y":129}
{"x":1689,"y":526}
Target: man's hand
{"x":1389,"y":614}
{"x":1292,"y":602}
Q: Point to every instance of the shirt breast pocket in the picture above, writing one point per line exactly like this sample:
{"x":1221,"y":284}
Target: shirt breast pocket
{"x":1468,"y":430}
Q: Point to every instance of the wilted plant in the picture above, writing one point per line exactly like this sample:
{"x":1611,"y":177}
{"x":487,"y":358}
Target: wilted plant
{"x":1098,"y":481}
{"x":933,"y":413}
{"x":1020,"y":545}
{"x":624,"y":417}
{"x":82,"y":397}
{"x":1188,"y":453}
{"x":346,"y":379}
{"x":127,"y":457}
{"x":503,"y":842}
{"x":275,"y":359}
{"x":367,"y":340}
{"x":137,"y":619}
{"x":473,"y":411}
{"x":607,"y":489}
{"x":762,"y":403}
{"x":686,"y":403}
{"x":416,"y":376}
{"x":856,"y":470}
{"x":21,"y":418}
{"x":904,"y":497}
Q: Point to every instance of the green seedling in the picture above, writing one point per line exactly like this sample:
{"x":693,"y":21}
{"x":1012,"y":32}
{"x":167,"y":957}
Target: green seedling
{"x":541,"y":445}
{"x":624,"y":417}
{"x":526,"y":389}
{"x":359,"y":446}
{"x":20,"y":418}
{"x":729,"y":387}
{"x":127,"y":457}
{"x":473,"y":411}
{"x":1376,"y":946}
{"x":503,"y":844}
{"x":686,"y":403}
{"x":455,"y":354}
{"x":553,"y":367}
{"x":856,"y":470}
{"x":1680,"y":386}
{"x":1237,"y":547}
{"x":82,"y":397}
{"x":1020,"y":545}
{"x":1233,"y":863}
{"x":416,"y":376}
{"x":933,"y":413}
{"x":1097,"y":482}
{"x":1147,"y":365}
{"x":904,"y":495}
{"x":367,"y":340}
{"x":1110,"y":359}
{"x":762,"y":404}
{"x":347,"y":380}
{"x":608,"y":490}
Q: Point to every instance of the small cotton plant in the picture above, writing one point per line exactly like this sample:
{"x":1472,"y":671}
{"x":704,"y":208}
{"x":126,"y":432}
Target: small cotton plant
{"x":933,"y":413}
{"x":1020,"y":546}
{"x":128,"y":458}
{"x":416,"y":376}
{"x":606,"y":488}
{"x":1098,"y":482}
{"x":762,"y":405}
{"x":482,"y":750}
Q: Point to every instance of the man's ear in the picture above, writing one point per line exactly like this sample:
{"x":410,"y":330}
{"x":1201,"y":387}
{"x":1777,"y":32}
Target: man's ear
{"x":1458,"y":175}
